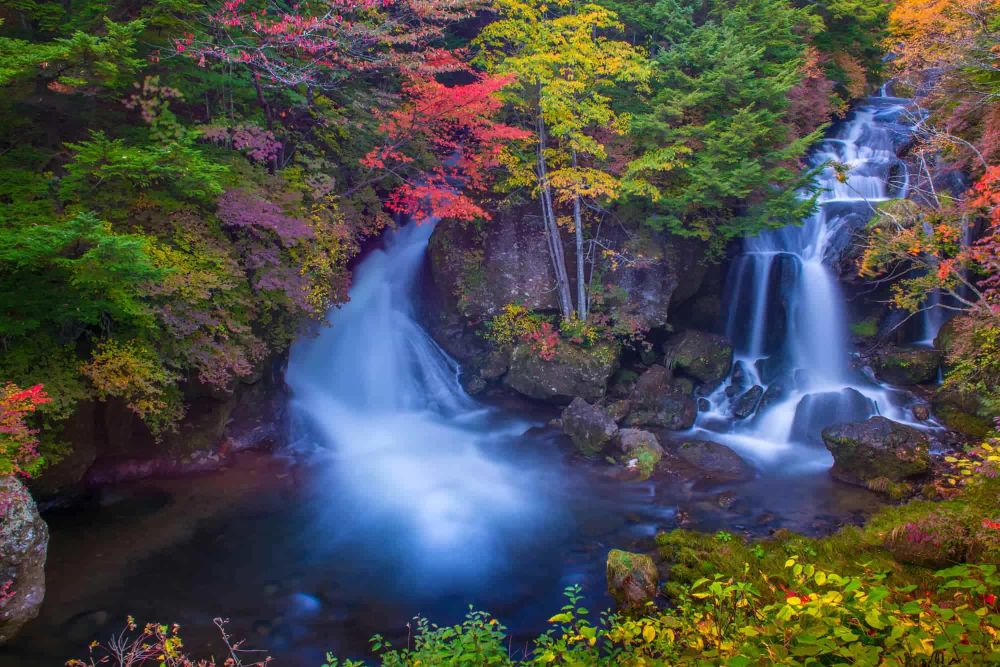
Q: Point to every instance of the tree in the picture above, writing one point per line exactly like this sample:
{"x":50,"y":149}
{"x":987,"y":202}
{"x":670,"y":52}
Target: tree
{"x":454,"y":126}
{"x":718,"y":159}
{"x":567,"y":68}
{"x":18,"y":441}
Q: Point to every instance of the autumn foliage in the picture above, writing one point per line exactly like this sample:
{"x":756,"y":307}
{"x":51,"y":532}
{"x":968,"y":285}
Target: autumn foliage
{"x":18,"y":441}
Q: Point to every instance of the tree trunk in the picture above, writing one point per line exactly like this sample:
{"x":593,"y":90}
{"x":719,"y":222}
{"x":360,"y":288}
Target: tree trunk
{"x":581,"y":283}
{"x":552,"y":230}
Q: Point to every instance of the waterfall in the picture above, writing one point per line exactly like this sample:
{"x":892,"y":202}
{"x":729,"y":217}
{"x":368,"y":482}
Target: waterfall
{"x":420,"y":470}
{"x":787,"y":316}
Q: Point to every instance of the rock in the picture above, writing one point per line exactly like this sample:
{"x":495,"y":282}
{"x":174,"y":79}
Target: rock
{"x":775,"y":392}
{"x":473,"y":384}
{"x":651,"y":385}
{"x":657,"y":401}
{"x":674,"y":411}
{"x":574,"y":371}
{"x":619,"y":410}
{"x":683,"y":385}
{"x":739,"y":380}
{"x":713,"y":460}
{"x":704,"y":405}
{"x":962,"y":412}
{"x":642,"y":447}
{"x":906,"y":366}
{"x":24,"y":539}
{"x":746,"y":404}
{"x":664,"y":271}
{"x":479,"y":270}
{"x":703,"y":356}
{"x":878,"y":447}
{"x":945,"y":338}
{"x":632,"y":579}
{"x":588,"y":426}
{"x":921,"y":412}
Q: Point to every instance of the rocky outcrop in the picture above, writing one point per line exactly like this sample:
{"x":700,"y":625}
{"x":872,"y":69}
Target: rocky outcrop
{"x":642,"y":450}
{"x":700,"y":355}
{"x":589,"y":427}
{"x":906,"y":366}
{"x":479,"y":270}
{"x":24,"y":538}
{"x":746,"y":403}
{"x":877,"y":448}
{"x":632,"y":579}
{"x":710,"y":460}
{"x":572,"y":372}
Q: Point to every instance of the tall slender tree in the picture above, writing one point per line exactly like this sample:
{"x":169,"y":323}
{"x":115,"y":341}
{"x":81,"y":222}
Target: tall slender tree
{"x":566,"y":68}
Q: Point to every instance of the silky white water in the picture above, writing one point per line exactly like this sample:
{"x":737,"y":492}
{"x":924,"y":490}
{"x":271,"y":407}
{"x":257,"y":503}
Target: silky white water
{"x":420,"y":469}
{"x":787,"y":313}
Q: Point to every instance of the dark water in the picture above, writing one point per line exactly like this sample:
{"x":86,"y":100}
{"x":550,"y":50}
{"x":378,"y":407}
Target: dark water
{"x":261,"y":544}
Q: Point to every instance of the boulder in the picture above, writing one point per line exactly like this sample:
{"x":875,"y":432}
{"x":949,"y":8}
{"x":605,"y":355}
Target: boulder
{"x":878,"y":447}
{"x":673,"y":410}
{"x":713,"y":460}
{"x":642,"y":450}
{"x":906,"y":366}
{"x":746,"y":403}
{"x":476,"y":271}
{"x":573,"y":371}
{"x":24,"y":538}
{"x":588,"y":426}
{"x":703,"y":356}
{"x":632,"y":579}
{"x":962,"y":412}
{"x":657,"y":400}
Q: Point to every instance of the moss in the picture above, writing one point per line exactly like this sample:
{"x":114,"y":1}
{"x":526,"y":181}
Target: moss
{"x":690,"y":555}
{"x":866,"y":328}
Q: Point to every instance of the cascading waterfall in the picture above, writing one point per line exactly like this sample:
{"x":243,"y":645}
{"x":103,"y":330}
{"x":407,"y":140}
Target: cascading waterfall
{"x":787,"y":316}
{"x":415,"y":461}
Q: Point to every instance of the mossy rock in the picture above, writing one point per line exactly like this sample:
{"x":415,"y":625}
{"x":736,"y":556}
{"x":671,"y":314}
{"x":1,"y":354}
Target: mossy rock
{"x":962,"y":412}
{"x":588,"y":426}
{"x":24,"y":539}
{"x":573,"y":371}
{"x":702,"y":356}
{"x":907,"y":366}
{"x":632,"y":579}
{"x":642,"y":450}
{"x":877,"y":448}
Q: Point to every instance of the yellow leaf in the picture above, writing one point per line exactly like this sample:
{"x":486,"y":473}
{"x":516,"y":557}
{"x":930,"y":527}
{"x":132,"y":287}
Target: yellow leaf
{"x":649,"y":634}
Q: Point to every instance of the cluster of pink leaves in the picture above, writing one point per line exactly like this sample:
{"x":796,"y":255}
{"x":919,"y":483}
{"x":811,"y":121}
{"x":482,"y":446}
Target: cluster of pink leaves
{"x":258,"y":144}
{"x":263,"y":232}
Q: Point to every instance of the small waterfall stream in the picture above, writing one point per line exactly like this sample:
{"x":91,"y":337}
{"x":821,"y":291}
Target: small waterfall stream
{"x":786,"y":315}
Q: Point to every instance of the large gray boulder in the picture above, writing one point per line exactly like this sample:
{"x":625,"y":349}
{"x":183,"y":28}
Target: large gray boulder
{"x":479,"y":270}
{"x":703,"y":356}
{"x":573,"y":371}
{"x":711,"y":460}
{"x":657,"y":400}
{"x":24,"y":538}
{"x":588,"y":426}
{"x":906,"y":365}
{"x":877,"y":448}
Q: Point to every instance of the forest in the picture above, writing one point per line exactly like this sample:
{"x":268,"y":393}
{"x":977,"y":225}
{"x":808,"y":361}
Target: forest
{"x":668,"y":331}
